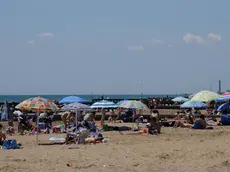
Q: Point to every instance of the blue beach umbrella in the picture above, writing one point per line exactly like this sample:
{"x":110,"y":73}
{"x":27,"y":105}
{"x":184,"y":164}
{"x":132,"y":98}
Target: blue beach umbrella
{"x":180,"y":99}
{"x":104,"y":104}
{"x":194,"y":104}
{"x":223,"y":99}
{"x":72,"y":99}
{"x":225,"y":106}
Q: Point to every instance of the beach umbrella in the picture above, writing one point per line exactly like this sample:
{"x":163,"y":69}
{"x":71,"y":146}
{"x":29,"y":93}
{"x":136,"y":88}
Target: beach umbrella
{"x":205,"y":96}
{"x":38,"y":104}
{"x":225,"y":106}
{"x":104,"y":104}
{"x":133,"y":104}
{"x":72,"y":99}
{"x":194,"y":104}
{"x":75,"y":106}
{"x":226,"y":94}
{"x":120,"y":102}
{"x":224,"y":97}
{"x":5,"y":111}
{"x":180,"y":99}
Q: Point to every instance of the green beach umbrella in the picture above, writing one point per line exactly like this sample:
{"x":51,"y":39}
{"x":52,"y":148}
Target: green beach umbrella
{"x":205,"y":96}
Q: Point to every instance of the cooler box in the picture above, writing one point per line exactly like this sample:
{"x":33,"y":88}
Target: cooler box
{"x":42,"y":125}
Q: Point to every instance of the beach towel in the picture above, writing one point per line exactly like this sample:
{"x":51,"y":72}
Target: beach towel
{"x":10,"y":144}
{"x":56,"y":139}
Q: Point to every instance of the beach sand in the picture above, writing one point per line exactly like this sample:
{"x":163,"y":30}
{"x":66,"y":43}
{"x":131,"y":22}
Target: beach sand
{"x":174,"y":150}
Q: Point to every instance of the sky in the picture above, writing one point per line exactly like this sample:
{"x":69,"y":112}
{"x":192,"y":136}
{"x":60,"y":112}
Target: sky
{"x":114,"y":47}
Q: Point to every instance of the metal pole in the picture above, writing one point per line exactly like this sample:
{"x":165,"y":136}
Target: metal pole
{"x":37,"y":127}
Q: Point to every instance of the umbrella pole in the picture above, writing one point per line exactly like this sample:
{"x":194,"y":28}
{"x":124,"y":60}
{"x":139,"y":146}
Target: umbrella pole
{"x":37,"y":128}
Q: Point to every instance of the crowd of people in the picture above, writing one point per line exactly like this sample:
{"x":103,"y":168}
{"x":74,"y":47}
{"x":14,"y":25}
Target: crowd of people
{"x":86,"y":121}
{"x":155,"y":102}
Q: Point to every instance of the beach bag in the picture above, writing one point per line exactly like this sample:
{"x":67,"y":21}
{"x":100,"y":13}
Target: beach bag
{"x":10,"y":144}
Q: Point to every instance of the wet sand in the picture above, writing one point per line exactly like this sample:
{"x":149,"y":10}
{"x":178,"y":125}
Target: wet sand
{"x":174,"y":150}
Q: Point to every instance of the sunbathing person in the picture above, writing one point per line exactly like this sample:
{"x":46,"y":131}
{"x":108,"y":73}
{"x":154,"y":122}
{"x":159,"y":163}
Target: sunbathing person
{"x":185,"y":122}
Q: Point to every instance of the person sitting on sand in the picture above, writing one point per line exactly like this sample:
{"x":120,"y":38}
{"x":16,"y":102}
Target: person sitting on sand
{"x":153,"y":126}
{"x":224,"y":119}
{"x":200,"y":123}
{"x":184,"y":122}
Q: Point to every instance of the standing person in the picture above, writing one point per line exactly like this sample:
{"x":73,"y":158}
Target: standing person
{"x":19,"y":115}
{"x":103,"y":113}
{"x":67,"y":118}
{"x":118,"y":114}
{"x":10,"y":116}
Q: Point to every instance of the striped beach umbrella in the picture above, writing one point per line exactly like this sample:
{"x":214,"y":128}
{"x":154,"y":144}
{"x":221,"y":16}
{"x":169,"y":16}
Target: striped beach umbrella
{"x":133,"y":104}
{"x":104,"y":104}
{"x":37,"y":104}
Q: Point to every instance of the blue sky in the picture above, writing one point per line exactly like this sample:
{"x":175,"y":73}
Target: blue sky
{"x":78,"y":47}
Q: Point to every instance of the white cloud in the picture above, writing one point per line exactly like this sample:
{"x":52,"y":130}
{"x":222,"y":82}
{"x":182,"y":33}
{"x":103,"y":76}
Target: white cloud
{"x":31,"y":42}
{"x":156,"y":41}
{"x":136,"y":48}
{"x":190,"y":38}
{"x":215,"y":37}
{"x":45,"y":34}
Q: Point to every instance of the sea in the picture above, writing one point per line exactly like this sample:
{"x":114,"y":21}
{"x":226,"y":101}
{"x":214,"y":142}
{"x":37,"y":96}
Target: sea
{"x":89,"y":97}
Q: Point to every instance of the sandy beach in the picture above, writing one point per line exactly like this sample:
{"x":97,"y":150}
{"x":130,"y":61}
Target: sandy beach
{"x":174,"y":150}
